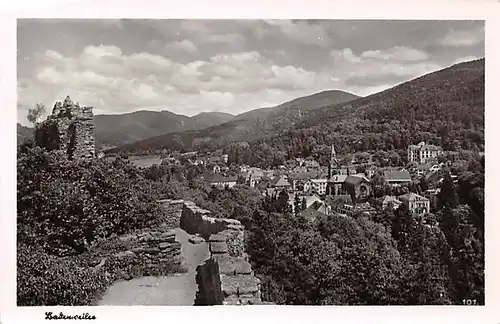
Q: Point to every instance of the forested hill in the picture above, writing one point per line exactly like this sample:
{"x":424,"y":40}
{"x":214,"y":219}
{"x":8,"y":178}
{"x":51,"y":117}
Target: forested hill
{"x":445,"y":107}
{"x":249,"y":126}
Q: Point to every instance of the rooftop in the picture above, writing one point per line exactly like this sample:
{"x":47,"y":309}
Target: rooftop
{"x":411,"y":196}
{"x":397,"y":176}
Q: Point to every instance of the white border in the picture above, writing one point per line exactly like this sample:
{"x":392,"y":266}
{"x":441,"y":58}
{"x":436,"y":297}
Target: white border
{"x":436,"y":9}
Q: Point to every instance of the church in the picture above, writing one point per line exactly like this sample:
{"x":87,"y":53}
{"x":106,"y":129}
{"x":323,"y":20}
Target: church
{"x":358,"y":186}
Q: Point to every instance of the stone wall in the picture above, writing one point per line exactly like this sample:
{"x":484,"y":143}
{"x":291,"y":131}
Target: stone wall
{"x":147,"y":253}
{"x":172,"y":212}
{"x":69,"y":129}
{"x":195,"y":220}
{"x":226,"y":278}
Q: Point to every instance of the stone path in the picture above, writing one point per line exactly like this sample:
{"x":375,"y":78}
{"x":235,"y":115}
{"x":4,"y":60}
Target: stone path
{"x":174,"y":290}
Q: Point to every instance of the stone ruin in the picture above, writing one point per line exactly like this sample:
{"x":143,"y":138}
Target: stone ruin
{"x":69,"y":130}
{"x":226,"y":278}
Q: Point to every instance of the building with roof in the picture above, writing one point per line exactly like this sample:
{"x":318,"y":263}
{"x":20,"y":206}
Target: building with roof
{"x":220,"y":181}
{"x":309,"y":199}
{"x":385,"y":201}
{"x":358,"y":187}
{"x":317,"y":186}
{"x":397,"y":178}
{"x":417,"y":204}
{"x":311,"y":214}
{"x":423,"y":152}
{"x":281,"y":183}
{"x":350,"y":210}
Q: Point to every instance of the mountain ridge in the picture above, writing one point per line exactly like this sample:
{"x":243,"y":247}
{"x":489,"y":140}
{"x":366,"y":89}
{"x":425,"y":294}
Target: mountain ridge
{"x":454,"y":90}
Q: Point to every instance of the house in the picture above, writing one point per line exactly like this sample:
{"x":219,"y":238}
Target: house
{"x":281,"y":183}
{"x":316,"y":185}
{"x":417,"y":204}
{"x":422,"y":152}
{"x":309,"y":199}
{"x":219,"y":181}
{"x":358,"y":187}
{"x":311,"y":214}
{"x":216,"y":169}
{"x":254,"y":176}
{"x":345,"y":170}
{"x":336,"y":183}
{"x":350,"y":210}
{"x":198,"y":162}
{"x":386,"y":201}
{"x":397,"y":178}
{"x":338,"y":201}
{"x":311,"y":164}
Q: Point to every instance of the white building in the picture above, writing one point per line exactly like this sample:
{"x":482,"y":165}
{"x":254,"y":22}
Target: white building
{"x":416,"y":204}
{"x":421,"y":153}
{"x":316,"y":185}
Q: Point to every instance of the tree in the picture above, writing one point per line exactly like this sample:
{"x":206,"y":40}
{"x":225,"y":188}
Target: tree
{"x":448,"y":196}
{"x":424,"y":184}
{"x":303,"y":204}
{"x":35,"y":113}
{"x":297,"y":204}
{"x":282,"y":205}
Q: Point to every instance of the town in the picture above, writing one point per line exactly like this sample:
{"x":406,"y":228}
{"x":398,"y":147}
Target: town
{"x":359,"y":186}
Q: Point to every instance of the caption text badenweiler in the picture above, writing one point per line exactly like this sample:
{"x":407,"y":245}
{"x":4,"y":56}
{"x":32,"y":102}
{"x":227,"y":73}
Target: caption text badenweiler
{"x":84,"y":316}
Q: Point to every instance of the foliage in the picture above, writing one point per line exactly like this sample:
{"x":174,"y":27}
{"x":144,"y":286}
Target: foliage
{"x":47,"y":280}
{"x":35,"y":113}
{"x":65,"y":206}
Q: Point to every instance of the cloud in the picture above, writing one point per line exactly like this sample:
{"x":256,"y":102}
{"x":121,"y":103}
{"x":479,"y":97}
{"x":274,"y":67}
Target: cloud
{"x":301,"y":32}
{"x":189,"y":66}
{"x":374,"y":68}
{"x":463,"y":38}
{"x":184,"y":45}
{"x":397,"y":53}
{"x":115,"y":82}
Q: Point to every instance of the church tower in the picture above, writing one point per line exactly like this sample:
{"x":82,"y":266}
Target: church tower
{"x":331,"y":162}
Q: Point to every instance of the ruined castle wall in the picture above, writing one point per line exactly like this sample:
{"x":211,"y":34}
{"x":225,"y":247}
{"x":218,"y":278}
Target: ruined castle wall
{"x":84,"y":144}
{"x":172,"y":212}
{"x":226,"y":278}
{"x":195,"y":220}
{"x":146,"y":253}
{"x":70,"y":130}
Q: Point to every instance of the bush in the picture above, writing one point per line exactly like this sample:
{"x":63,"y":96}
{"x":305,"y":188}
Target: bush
{"x":46,"y":280}
{"x":65,"y":206}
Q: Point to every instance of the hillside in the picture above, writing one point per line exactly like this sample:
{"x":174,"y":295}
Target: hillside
{"x":212,"y":118}
{"x":248,"y":126}
{"x":127,"y":128}
{"x":23,"y":133}
{"x":115,"y":130}
{"x":445,"y":107}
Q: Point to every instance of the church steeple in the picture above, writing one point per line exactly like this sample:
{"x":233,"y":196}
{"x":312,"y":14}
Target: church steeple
{"x":333,"y":160}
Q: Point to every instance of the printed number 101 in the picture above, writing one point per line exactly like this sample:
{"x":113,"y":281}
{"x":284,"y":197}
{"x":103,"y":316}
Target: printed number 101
{"x":469,"y":302}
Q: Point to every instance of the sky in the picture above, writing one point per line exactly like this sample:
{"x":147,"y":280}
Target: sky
{"x":192,"y":66}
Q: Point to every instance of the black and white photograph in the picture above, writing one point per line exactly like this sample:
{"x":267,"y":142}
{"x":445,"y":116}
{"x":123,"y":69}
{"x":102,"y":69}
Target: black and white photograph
{"x":205,"y":162}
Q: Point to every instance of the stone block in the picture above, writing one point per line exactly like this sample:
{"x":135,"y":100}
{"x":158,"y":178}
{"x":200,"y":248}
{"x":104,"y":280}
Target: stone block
{"x":195,"y":239}
{"x":239,"y":285}
{"x":128,"y":238}
{"x":218,"y":247}
{"x":146,"y":250}
{"x":125,"y":254}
